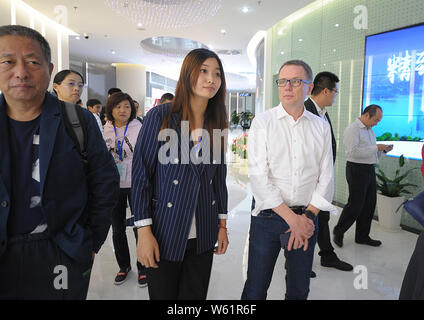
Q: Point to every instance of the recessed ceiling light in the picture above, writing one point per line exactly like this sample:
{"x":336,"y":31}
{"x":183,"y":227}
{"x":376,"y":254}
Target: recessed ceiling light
{"x":112,"y":51}
{"x":77,"y":38}
{"x":334,"y":50}
{"x":282,"y":52}
{"x":139,"y":24}
{"x":336,"y":25}
{"x":280,"y":32}
{"x":300,"y":40}
{"x":223,"y":31}
{"x":245,"y":9}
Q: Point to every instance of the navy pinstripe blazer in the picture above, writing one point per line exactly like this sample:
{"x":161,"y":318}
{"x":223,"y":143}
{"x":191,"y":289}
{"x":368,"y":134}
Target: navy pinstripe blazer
{"x":171,"y":193}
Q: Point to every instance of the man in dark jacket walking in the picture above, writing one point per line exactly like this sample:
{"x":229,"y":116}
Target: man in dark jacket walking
{"x":323,"y":95}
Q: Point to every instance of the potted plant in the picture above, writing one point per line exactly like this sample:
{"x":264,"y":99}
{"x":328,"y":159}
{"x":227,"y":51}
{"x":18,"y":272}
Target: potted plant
{"x":246,"y":118}
{"x":235,"y":119}
{"x":390,"y":198}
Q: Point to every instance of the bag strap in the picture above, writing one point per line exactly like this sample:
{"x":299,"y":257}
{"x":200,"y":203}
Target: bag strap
{"x":76,"y":127}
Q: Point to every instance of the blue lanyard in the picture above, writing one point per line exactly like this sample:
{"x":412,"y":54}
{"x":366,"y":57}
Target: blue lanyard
{"x":197,"y":146}
{"x":120,"y":144}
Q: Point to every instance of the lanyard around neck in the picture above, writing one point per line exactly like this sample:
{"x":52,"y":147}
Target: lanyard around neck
{"x":120,"y":143}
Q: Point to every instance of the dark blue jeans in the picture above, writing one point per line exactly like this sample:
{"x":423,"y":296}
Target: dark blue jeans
{"x":264,"y":247}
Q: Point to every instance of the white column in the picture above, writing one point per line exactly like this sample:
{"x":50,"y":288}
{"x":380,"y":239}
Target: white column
{"x":131,"y":79}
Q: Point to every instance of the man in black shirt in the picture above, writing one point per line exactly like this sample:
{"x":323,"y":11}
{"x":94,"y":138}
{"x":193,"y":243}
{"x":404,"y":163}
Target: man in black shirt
{"x":54,"y":210}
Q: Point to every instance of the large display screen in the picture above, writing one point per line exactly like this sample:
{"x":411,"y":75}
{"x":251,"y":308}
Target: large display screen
{"x":394,"y":80}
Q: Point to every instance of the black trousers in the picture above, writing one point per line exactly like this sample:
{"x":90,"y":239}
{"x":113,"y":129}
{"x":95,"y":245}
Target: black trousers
{"x":362,"y":199}
{"x":34,"y":267}
{"x":413,"y":281}
{"x":119,"y":235}
{"x":324,"y":241}
{"x":186,"y":280}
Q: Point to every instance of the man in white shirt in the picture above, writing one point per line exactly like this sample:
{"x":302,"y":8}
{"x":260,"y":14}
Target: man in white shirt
{"x":362,"y":153}
{"x":291,"y":175}
{"x":323,"y":95}
{"x":95,"y":107}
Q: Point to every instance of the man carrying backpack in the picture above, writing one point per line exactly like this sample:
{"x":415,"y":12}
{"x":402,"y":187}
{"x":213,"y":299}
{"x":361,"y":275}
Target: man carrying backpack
{"x":55,"y":199}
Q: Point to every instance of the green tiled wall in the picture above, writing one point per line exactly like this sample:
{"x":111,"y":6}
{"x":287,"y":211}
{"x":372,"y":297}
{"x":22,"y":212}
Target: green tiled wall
{"x":340,"y":49}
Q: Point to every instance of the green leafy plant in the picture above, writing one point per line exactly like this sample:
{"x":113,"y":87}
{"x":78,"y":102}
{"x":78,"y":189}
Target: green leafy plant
{"x":235,"y":119}
{"x":394,"y":187}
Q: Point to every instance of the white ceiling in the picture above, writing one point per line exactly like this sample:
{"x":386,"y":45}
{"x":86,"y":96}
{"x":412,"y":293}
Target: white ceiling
{"x":109,"y":31}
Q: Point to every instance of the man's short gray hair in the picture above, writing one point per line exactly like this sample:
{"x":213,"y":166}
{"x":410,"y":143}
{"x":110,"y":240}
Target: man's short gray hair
{"x":304,"y":65}
{"x":22,"y":31}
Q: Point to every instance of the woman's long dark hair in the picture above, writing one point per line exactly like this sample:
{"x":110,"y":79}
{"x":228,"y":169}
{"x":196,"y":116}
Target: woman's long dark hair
{"x":216,"y":111}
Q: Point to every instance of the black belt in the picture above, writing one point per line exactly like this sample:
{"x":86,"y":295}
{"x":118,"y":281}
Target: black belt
{"x":364,"y":165}
{"x":298,"y":209}
{"x":295,"y":209}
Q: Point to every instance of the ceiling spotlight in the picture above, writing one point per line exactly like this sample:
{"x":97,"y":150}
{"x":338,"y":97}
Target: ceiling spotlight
{"x":280,"y":32}
{"x":336,"y":25}
{"x":112,"y":51}
{"x":223,"y":31}
{"x":300,"y":40}
{"x":334,"y":50}
{"x":282,"y":52}
{"x":245,"y":9}
{"x":77,"y":38}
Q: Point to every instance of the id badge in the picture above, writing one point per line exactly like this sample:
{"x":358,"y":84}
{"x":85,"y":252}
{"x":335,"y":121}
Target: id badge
{"x":122,"y":169}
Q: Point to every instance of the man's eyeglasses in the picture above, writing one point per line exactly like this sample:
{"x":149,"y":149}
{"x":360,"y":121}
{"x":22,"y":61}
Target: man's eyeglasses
{"x":335,"y":90}
{"x":293,"y":82}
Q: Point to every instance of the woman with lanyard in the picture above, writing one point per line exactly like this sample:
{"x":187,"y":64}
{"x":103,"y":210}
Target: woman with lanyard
{"x":179,"y":191}
{"x":120,"y":134}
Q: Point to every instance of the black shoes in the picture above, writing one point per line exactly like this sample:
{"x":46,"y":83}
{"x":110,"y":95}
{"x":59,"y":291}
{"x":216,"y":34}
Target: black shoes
{"x":337,"y":264}
{"x":369,"y":242}
{"x":142,"y":280}
{"x":122,"y":276}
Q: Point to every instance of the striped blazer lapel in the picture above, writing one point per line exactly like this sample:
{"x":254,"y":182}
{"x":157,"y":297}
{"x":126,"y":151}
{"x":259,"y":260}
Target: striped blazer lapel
{"x":185,"y":144}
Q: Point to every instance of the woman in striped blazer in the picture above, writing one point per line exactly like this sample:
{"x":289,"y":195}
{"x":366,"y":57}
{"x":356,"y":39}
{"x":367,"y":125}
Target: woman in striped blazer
{"x":179,"y":191}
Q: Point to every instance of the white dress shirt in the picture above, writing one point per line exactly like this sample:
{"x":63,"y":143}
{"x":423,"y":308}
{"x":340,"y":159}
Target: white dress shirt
{"x":290,"y":161}
{"x":320,"y":111}
{"x":99,"y":123}
{"x":360,"y":144}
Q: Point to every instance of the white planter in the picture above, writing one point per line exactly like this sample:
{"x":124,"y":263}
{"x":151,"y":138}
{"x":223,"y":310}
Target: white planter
{"x":243,"y":167}
{"x":388,"y":218}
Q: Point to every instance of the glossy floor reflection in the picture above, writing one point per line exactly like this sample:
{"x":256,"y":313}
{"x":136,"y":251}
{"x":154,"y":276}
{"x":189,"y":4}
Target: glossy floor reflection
{"x":384,"y":266}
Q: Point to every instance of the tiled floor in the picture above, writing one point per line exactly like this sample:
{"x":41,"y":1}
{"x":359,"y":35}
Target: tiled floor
{"x":379,"y":270}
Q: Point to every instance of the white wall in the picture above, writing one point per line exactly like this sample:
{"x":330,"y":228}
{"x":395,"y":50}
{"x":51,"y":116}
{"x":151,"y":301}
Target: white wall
{"x":55,"y":34}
